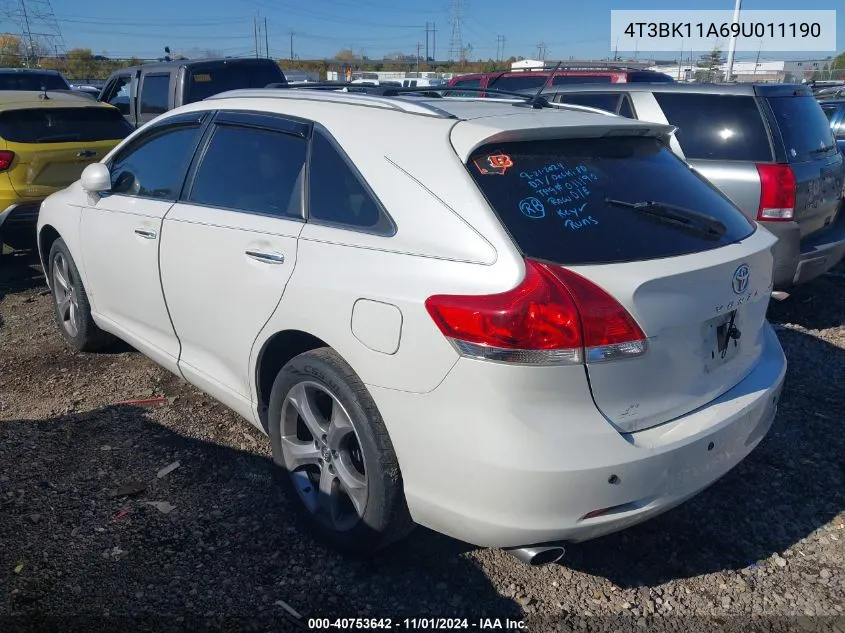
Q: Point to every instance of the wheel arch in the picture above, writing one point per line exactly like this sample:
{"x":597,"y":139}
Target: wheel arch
{"x":46,"y":237}
{"x":275,"y":353}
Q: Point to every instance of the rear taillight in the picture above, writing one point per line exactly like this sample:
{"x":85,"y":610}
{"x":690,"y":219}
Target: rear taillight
{"x":552,"y":317}
{"x":6,"y":158}
{"x":777,"y":193}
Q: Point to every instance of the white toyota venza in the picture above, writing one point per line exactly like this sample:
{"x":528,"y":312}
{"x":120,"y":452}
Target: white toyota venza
{"x":516,"y":325}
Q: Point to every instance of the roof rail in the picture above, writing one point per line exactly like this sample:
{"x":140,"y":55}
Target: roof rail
{"x":354,"y":97}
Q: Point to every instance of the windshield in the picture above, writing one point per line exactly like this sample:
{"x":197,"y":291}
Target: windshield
{"x":570,"y":201}
{"x":803,"y":125}
{"x":32,"y":81}
{"x":206,"y":82}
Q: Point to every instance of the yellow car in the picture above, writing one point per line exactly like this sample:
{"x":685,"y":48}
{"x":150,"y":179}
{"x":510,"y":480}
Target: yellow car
{"x":46,"y":140}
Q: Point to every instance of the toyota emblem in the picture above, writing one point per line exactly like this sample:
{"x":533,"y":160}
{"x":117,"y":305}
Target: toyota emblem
{"x":740,"y":279}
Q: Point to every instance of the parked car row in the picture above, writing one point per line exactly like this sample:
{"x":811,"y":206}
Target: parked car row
{"x":516,"y":323}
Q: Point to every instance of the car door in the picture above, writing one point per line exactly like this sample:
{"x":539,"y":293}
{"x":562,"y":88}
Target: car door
{"x":155,"y":91}
{"x":121,"y":230}
{"x":229,"y":247}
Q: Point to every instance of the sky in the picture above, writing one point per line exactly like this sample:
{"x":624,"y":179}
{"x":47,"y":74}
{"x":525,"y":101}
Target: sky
{"x":373,"y":27}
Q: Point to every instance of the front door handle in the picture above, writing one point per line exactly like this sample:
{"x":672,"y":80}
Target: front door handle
{"x":146,"y":233}
{"x":265,"y":257}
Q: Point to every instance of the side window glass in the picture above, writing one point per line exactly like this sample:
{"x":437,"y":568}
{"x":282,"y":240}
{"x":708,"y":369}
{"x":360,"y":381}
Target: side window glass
{"x":155,"y":90}
{"x":626,"y":109}
{"x":337,"y":194}
{"x":467,"y":83}
{"x":601,"y":100}
{"x":156,"y":167}
{"x":118,"y":94}
{"x":252,"y":169}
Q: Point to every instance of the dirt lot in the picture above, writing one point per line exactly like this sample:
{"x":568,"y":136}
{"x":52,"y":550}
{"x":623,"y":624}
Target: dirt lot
{"x":84,"y":544}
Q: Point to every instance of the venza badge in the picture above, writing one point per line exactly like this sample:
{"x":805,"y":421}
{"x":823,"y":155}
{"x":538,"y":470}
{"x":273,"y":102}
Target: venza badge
{"x":740,"y":279}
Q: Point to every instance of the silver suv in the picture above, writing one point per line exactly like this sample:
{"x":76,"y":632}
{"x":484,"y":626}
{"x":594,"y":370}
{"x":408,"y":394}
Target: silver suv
{"x":769,"y":148}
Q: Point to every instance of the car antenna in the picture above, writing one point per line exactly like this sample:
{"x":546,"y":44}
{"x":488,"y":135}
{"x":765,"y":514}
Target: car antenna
{"x":537,"y":101}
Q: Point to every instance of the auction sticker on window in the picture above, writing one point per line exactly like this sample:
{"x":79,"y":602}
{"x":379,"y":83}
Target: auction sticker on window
{"x":768,"y":31}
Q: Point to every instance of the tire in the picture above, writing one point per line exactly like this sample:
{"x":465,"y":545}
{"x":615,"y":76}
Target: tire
{"x":71,"y":308}
{"x":355,"y":448}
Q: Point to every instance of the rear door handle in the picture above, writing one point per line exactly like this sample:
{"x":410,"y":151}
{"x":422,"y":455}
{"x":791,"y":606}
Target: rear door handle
{"x":145,"y":233}
{"x":265,"y":257}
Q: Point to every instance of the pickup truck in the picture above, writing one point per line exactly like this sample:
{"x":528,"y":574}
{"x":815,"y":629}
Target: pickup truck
{"x":143,"y":92}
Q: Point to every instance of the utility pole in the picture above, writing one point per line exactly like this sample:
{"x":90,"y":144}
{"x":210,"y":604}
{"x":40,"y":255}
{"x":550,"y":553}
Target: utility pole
{"x":434,"y":42}
{"x":500,"y":48}
{"x":266,"y":40}
{"x":255,"y":28}
{"x":426,"y":41}
{"x":418,"y":58}
{"x":680,"y":60}
{"x":732,"y":44}
{"x":291,"y":44}
{"x":616,"y":51}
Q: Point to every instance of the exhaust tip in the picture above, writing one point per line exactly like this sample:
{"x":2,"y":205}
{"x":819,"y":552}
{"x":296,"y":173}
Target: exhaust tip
{"x":780,"y":295}
{"x":538,"y":556}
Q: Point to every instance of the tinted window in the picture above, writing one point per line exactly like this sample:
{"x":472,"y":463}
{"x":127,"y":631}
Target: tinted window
{"x":602,"y":100}
{"x":118,"y":94}
{"x":829,"y":111}
{"x":650,"y":77}
{"x":205,"y":82}
{"x":155,"y":90}
{"x":337,"y":194}
{"x":519,"y":82}
{"x":580,"y":79}
{"x":252,"y":170}
{"x":803,"y":126}
{"x":717,"y":127}
{"x":32,"y":81}
{"x":60,"y":125}
{"x":466,"y":83}
{"x":156,"y":167}
{"x":626,"y":109}
{"x":552,"y":198}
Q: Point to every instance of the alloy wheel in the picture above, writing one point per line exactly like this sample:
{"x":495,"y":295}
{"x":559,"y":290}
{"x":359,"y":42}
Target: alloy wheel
{"x":323,"y":454}
{"x":64,"y":291}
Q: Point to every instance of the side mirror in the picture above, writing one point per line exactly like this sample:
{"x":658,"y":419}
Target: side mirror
{"x":96,"y":178}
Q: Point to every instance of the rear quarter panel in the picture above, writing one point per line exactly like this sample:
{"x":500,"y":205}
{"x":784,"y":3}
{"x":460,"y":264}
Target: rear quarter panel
{"x":447,"y":240}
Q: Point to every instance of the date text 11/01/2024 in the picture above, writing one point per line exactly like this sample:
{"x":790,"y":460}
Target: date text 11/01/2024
{"x":420,"y":624}
{"x":726,"y":29}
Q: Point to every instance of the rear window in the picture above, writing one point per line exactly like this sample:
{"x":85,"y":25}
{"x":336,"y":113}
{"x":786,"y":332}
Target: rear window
{"x":601,"y":100}
{"x":661,"y":78}
{"x":804,"y":127}
{"x":206,"y":82}
{"x":717,"y":127}
{"x":552,"y":198}
{"x":63,"y":125}
{"x":32,"y":81}
{"x":581,"y":79}
{"x":518,"y":82}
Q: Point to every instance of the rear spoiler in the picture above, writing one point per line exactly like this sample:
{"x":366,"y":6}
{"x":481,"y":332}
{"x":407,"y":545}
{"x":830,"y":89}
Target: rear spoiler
{"x":467,"y":136}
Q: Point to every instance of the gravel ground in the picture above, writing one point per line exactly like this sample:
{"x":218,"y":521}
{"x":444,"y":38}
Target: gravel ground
{"x":92,"y":538}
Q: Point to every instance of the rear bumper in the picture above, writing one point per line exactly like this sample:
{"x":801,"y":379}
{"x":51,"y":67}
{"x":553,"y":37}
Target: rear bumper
{"x":20,"y":216}
{"x":796,"y":261}
{"x":500,"y":464}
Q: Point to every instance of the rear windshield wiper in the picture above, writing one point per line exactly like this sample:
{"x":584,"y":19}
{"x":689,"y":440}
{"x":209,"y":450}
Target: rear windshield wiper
{"x":822,"y":150}
{"x":675,"y":215}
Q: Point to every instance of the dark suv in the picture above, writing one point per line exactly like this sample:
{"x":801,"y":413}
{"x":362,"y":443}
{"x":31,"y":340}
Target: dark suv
{"x":769,"y":148}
